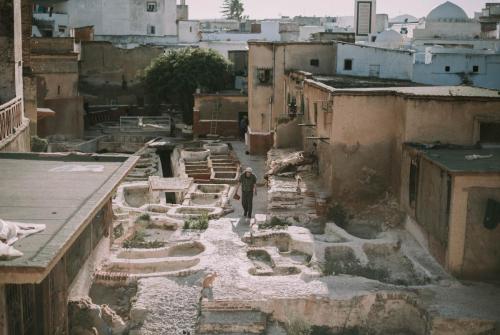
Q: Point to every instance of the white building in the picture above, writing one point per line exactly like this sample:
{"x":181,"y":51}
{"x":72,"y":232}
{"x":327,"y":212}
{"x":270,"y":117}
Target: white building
{"x":448,"y":21}
{"x":189,"y":31}
{"x":368,"y":61}
{"x":123,"y":21}
{"x":448,"y":66}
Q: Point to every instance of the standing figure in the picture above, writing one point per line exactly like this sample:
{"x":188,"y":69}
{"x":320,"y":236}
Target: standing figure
{"x":243,"y":127}
{"x":248,"y":183}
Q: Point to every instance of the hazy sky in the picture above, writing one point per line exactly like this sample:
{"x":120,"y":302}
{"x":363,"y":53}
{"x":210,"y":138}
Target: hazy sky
{"x":258,"y":9}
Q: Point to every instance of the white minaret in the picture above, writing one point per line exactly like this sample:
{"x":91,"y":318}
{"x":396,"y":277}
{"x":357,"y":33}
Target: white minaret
{"x":365,"y":18}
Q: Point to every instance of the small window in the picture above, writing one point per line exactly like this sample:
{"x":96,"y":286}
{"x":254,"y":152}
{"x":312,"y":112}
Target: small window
{"x":374,"y":38}
{"x":315,"y":62}
{"x":404,"y":31}
{"x":447,"y":68}
{"x":264,"y":76}
{"x":347,"y":64}
{"x":475,"y":68}
{"x":152,"y":6}
{"x":489,"y":132}
{"x":58,"y":89}
{"x":151,"y":30}
{"x":190,"y":29}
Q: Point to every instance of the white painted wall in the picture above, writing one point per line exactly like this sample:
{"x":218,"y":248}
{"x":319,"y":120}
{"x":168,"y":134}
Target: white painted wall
{"x":189,"y":31}
{"x":393,"y":64}
{"x":223,"y":47}
{"x":433,"y":71}
{"x":121,"y":17}
{"x":448,"y":30}
{"x":269,"y":32}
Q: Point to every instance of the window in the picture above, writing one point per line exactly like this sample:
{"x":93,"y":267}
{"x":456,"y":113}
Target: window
{"x":264,"y":76}
{"x":447,"y":68}
{"x":489,"y":132}
{"x":152,"y":6}
{"x":347,"y":64}
{"x":190,"y":29}
{"x":374,"y":38}
{"x":315,"y":62}
{"x":413,"y":182}
{"x":404,"y":31}
{"x":475,"y":68}
{"x":151,"y":30}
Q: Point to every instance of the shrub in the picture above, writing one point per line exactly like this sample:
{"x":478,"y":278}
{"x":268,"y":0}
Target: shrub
{"x":138,"y":240}
{"x":275,"y":223}
{"x":39,"y":144}
{"x":198,"y":223}
{"x":298,"y":327}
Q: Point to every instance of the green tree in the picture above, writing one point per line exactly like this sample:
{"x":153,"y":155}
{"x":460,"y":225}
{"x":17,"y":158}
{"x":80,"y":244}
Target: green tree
{"x":233,"y":9}
{"x":175,"y":76}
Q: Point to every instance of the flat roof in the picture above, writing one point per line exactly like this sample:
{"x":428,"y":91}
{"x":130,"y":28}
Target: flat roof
{"x":343,"y":81}
{"x":62,"y":191}
{"x":454,"y":160}
{"x":427,"y":91}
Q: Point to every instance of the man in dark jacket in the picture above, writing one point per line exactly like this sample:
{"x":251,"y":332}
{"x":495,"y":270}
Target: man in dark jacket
{"x":248,"y":183}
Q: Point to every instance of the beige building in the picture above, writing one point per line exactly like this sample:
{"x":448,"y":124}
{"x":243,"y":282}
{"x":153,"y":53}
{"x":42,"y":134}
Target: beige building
{"x":54,"y":64}
{"x":268,"y":65}
{"x":360,"y":135}
{"x":14,"y":127}
{"x":453,"y":206}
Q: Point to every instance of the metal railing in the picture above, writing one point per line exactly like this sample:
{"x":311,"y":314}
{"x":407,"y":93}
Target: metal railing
{"x":145,"y":123}
{"x":11,"y":117}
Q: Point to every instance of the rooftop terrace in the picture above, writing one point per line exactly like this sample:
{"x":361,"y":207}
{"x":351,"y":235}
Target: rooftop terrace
{"x":62,"y":191}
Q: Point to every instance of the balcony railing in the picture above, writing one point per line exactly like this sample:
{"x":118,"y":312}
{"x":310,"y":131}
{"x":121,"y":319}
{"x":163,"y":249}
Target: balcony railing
{"x":11,"y":117}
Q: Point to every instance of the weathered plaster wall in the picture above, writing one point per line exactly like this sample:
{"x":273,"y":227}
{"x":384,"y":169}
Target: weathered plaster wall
{"x":68,"y":120}
{"x":226,"y":109}
{"x":473,"y":250}
{"x":268,"y":101}
{"x":108,"y":72}
{"x":364,"y":140}
{"x":446,"y":120}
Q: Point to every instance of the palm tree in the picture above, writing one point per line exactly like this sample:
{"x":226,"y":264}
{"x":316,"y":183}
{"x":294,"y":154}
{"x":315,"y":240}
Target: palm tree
{"x":233,"y":9}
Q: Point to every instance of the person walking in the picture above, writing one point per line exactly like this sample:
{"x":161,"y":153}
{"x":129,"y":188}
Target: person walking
{"x":248,"y":183}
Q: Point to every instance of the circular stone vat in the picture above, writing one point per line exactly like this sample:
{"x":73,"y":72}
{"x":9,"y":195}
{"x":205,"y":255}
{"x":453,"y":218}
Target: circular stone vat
{"x":208,"y":188}
{"x":195,"y":154}
{"x":217,"y":148}
{"x":136,"y":196}
{"x":186,"y":249}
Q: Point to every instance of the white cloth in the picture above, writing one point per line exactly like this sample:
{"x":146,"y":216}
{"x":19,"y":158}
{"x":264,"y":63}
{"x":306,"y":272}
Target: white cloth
{"x":10,"y":232}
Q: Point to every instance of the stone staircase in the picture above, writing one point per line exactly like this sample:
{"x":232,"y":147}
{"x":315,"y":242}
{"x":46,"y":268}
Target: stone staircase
{"x":232,"y":322}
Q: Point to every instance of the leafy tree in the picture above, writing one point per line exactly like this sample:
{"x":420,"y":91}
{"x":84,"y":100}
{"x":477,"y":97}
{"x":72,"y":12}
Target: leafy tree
{"x":175,"y":76}
{"x":233,"y":9}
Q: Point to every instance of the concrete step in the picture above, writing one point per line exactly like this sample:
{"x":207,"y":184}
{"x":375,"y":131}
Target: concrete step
{"x":243,"y":322}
